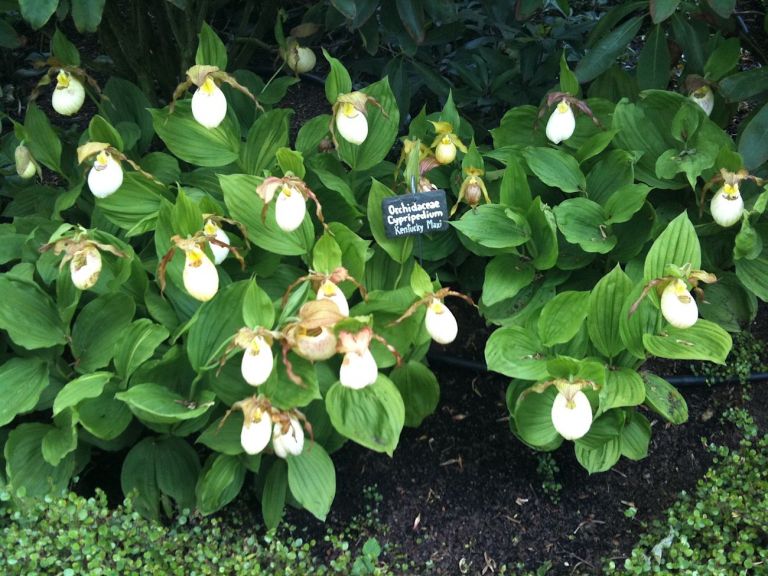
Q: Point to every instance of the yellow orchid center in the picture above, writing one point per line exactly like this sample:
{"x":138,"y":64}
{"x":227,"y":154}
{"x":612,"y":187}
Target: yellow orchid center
{"x":209,"y":228}
{"x":348,"y":109}
{"x":254,"y":346}
{"x":563,"y":107}
{"x":287,"y":190}
{"x":62,"y":80}
{"x":731,"y":189}
{"x":195,"y":257}
{"x":329,"y":288}
{"x":101,"y":160}
{"x":437,"y":306}
{"x":446,"y":140}
{"x":209,"y":86}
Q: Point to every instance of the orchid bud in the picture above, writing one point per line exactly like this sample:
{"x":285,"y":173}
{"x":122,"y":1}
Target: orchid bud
{"x":290,"y":442}
{"x":209,"y":105}
{"x":727,"y":205}
{"x":290,"y":209}
{"x":85,"y":267}
{"x":300,"y":59}
{"x":105,"y":176}
{"x":571,"y":414}
{"x":445,"y":152}
{"x":201,"y":279}
{"x":256,"y":431}
{"x":705,"y":98}
{"x":69,"y":94}
{"x":351,"y":123}
{"x":678,"y":306}
{"x":330,"y":291}
{"x":358,"y":369}
{"x":257,"y":362}
{"x":220,"y":253}
{"x":317,"y":346}
{"x":26,"y":167}
{"x":561,"y":123}
{"x":440,"y":322}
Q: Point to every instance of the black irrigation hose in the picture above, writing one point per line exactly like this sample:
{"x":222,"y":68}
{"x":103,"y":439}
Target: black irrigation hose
{"x":684,"y":381}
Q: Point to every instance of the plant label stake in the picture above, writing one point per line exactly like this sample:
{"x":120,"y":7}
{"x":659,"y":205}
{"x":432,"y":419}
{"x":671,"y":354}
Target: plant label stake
{"x":415,"y":214}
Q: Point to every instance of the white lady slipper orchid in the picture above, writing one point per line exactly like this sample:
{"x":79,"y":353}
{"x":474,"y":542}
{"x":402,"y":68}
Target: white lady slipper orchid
{"x":26,"y":166}
{"x":315,"y":346}
{"x":290,"y":209}
{"x":69,"y":94}
{"x":351,"y":123}
{"x":440,"y":322}
{"x":256,"y":431}
{"x":445,"y":151}
{"x":330,"y":291}
{"x":257,"y":362}
{"x":571,"y":414}
{"x":201,"y":279}
{"x":727,"y":205}
{"x":358,"y":369}
{"x":290,"y":442}
{"x":85,"y":267}
{"x":209,"y":105}
{"x":705,"y":98}
{"x":678,"y":306}
{"x":301,"y":59}
{"x":220,"y":253}
{"x":105,"y":176}
{"x":561,"y":123}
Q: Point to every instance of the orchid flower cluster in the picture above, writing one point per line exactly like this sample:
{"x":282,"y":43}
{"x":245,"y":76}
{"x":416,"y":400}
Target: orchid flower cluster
{"x":263,"y":422}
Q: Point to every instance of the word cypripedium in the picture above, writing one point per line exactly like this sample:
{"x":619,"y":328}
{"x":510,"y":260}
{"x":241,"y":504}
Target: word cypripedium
{"x":298,"y":58}
{"x":677,"y":304}
{"x":328,"y":288}
{"x":106,"y":173}
{"x":472,"y":190}
{"x":350,"y":117}
{"x":290,"y":194}
{"x":727,"y":205}
{"x":439,"y":320}
{"x":209,"y":105}
{"x":83,"y":255}
{"x":446,"y":143}
{"x":69,"y":94}
{"x":258,"y":359}
{"x":562,"y":121}
{"x":26,"y":165}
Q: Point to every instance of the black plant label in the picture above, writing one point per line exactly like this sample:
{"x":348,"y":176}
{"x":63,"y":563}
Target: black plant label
{"x":414,"y":214}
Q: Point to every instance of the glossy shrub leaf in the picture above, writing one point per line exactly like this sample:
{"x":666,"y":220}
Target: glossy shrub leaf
{"x":274,"y":493}
{"x":744,"y":85}
{"x":604,"y":428}
{"x":22,"y":380}
{"x":41,"y":139}
{"x":568,"y":81}
{"x":625,"y":202}
{"x":67,"y":53}
{"x":753,"y":143}
{"x":104,"y":417}
{"x":662,"y":9}
{"x":79,"y":389}
{"x":210,"y":49}
{"x":599,"y":459}
{"x":98,"y":327}
{"x":604,"y":53}
{"x":494,"y":226}
{"x":653,"y":65}
{"x":505,"y":276}
{"x":245,"y":206}
{"x":373,"y":416}
{"x":87,"y":14}
{"x":754,"y":275}
{"x":37,"y":12}
{"x":562,"y":317}
{"x":420,"y":391}
{"x":556,"y":169}
{"x":157,"y":404}
{"x":177,"y":468}
{"x":635,"y":437}
{"x":326,"y":255}
{"x":533,"y":418}
{"x":723,"y":59}
{"x":704,"y":340}
{"x":312,"y":480}
{"x":517,"y":353}
{"x":60,"y":440}
{"x":542,"y":247}
{"x":25,"y":466}
{"x":623,"y":387}
{"x":267,"y":135}
{"x":219,"y":483}
{"x":137,"y":345}
{"x":606,"y":301}
{"x":338,"y":80}
{"x":664,"y":399}
{"x":582,"y":222}
{"x":29,"y":315}
{"x":138,"y":478}
{"x":677,"y":244}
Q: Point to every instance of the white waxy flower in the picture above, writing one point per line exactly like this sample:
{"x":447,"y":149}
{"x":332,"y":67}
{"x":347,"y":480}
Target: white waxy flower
{"x":727,"y":205}
{"x":290,"y":208}
{"x":85,"y":267}
{"x":301,"y":60}
{"x":256,"y":365}
{"x":209,"y":105}
{"x":571,"y":414}
{"x":26,"y":167}
{"x":445,"y":151}
{"x":561,"y":123}
{"x":705,"y":98}
{"x":201,"y":279}
{"x":256,"y":432}
{"x":219,"y":252}
{"x":315,"y":347}
{"x":105,"y":176}
{"x":358,"y":370}
{"x":678,"y":306}
{"x":440,"y":322}
{"x":351,"y":124}
{"x":330,"y":291}
{"x":289,"y":443}
{"x":69,"y":94}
